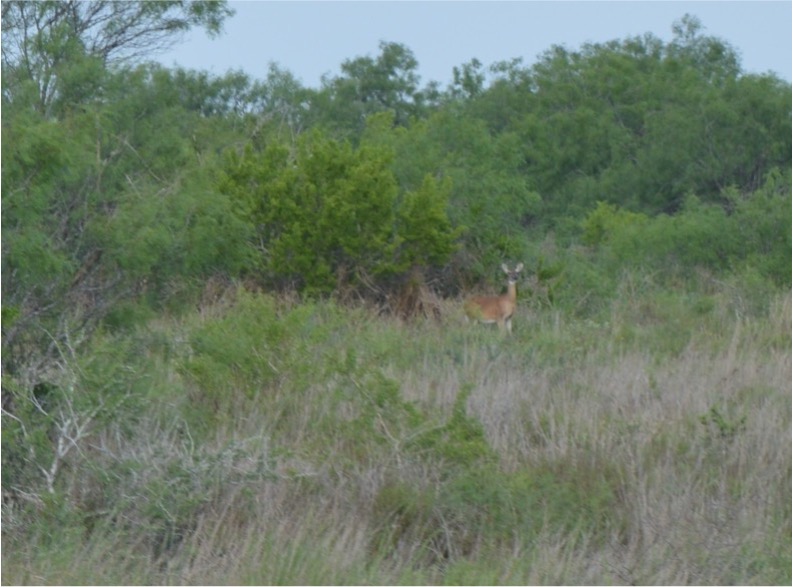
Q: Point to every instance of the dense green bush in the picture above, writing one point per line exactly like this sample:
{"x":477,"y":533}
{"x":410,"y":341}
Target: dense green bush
{"x":329,"y":217}
{"x":763,"y":227}
{"x":701,"y":236}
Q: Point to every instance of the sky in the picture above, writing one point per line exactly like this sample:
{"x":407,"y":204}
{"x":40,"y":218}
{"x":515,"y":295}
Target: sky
{"x":310,"y":39}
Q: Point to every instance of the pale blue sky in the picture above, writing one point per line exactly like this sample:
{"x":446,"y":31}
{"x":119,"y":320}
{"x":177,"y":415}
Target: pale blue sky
{"x":313,"y":38}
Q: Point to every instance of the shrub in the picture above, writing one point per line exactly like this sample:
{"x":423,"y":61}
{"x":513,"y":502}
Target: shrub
{"x":330,"y":218}
{"x":606,"y":221}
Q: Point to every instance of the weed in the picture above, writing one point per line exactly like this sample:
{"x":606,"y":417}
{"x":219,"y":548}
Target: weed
{"x":274,"y":442}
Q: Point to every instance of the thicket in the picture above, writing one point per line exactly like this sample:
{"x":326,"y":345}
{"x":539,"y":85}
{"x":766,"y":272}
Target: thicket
{"x":153,"y":392}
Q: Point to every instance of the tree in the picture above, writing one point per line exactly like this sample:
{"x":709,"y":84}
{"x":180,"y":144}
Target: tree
{"x":330,"y":218}
{"x":640,"y":123}
{"x":468,"y":80}
{"x":323,"y":213}
{"x":79,"y":135}
{"x":44,"y":41}
{"x":426,"y":235}
{"x":713,"y":58}
{"x":367,"y":85}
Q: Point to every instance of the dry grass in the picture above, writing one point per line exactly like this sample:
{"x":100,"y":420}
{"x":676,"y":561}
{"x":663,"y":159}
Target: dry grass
{"x":601,"y":460}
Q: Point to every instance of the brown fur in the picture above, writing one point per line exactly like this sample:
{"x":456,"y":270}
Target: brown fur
{"x":498,"y":309}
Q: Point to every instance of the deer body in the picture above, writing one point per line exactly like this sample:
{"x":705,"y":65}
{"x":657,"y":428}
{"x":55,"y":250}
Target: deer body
{"x":498,"y":309}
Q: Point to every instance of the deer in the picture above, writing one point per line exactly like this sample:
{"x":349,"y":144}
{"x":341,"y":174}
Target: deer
{"x":498,"y":309}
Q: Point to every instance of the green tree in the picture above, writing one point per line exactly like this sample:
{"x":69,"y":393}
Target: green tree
{"x":640,"y":123}
{"x":99,"y":202}
{"x":426,"y":235}
{"x":491,"y":195}
{"x":711,"y":57}
{"x":331,"y":218}
{"x":82,"y":135}
{"x":388,"y":82}
{"x":468,"y":80}
{"x":46,"y":43}
{"x":763,"y":225}
{"x":488,"y":193}
{"x":324,"y":213}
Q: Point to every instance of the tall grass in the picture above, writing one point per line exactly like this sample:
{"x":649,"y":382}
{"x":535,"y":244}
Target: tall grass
{"x":305,"y":443}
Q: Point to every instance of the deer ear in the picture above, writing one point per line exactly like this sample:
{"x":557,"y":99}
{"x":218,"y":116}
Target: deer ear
{"x":504,"y":268}
{"x":519,"y":267}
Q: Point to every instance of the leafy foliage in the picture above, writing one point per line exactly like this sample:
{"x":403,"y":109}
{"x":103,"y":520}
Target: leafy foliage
{"x":704,"y":236}
{"x":329,"y":217}
{"x":387,"y":83}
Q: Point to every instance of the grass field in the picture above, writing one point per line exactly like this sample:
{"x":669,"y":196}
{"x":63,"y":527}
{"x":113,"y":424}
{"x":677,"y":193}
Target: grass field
{"x":263,"y":442}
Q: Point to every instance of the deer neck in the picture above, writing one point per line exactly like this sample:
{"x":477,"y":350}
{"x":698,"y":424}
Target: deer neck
{"x":512,"y":291}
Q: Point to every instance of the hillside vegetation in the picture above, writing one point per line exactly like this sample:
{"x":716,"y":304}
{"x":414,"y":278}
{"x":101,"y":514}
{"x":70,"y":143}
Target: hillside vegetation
{"x":233,"y":344}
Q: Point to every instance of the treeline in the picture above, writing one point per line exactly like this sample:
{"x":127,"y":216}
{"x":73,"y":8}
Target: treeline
{"x":127,"y":185}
